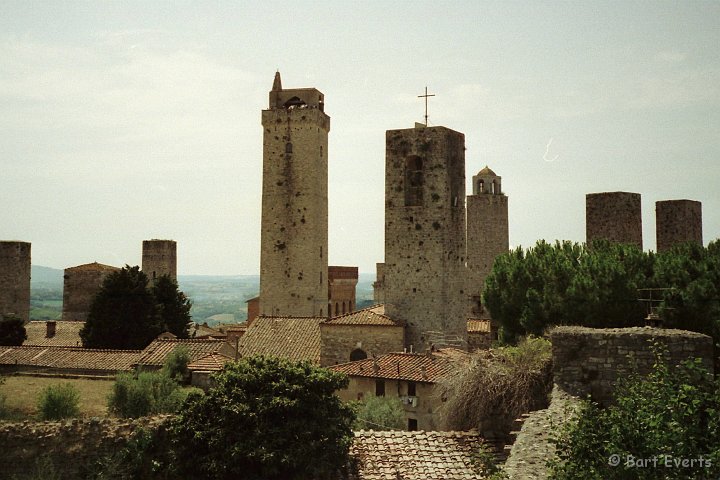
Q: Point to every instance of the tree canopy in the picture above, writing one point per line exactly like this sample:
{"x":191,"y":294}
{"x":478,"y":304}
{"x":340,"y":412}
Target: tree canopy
{"x":266,"y":418}
{"x":173,"y":307}
{"x":12,"y":330}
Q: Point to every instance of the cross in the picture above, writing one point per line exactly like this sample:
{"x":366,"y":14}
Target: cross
{"x":426,"y":98}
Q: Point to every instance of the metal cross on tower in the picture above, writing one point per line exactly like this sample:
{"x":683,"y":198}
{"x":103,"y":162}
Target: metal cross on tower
{"x":426,"y":100}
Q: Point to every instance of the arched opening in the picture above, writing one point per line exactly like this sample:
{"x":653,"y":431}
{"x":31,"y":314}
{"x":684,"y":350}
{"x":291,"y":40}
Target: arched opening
{"x":413,"y":181}
{"x":288,"y":147}
{"x":481,"y":186}
{"x":294,"y":102}
{"x":343,"y":308}
{"x":494,"y":187}
{"x":357,"y":354}
{"x":337,"y":309}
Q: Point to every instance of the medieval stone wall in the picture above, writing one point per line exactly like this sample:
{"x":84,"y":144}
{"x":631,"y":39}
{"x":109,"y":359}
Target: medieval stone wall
{"x":379,"y":284}
{"x":338,"y":341}
{"x":80,"y":286}
{"x":159,"y":257}
{"x":342,"y":283}
{"x":615,"y":216}
{"x":677,"y":221}
{"x":15,"y":279}
{"x":425,"y":232}
{"x":589,"y":361}
{"x":294,"y":235}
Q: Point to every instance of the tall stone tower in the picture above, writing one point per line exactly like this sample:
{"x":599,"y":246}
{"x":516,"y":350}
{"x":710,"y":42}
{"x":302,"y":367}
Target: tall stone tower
{"x":294,"y":235}
{"x":80,"y":286}
{"x":677,"y":221}
{"x":425,"y":233}
{"x":159,"y":257}
{"x":342,"y":283}
{"x":615,"y":216}
{"x":15,"y":279}
{"x":487,"y":234}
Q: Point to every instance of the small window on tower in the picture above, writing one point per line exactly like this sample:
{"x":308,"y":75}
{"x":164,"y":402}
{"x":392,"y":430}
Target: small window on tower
{"x":413,"y":181}
{"x":288,"y":147}
{"x":481,"y":186}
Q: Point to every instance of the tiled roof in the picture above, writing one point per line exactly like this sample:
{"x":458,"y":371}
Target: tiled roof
{"x":198,"y":330}
{"x":67,"y":334}
{"x":478,"y":326}
{"x":93,"y":267}
{"x":374,"y":315}
{"x":212,"y":362}
{"x":69,"y":358}
{"x":155,"y":353}
{"x":424,"y":455}
{"x":412,"y":367}
{"x":294,"y":338}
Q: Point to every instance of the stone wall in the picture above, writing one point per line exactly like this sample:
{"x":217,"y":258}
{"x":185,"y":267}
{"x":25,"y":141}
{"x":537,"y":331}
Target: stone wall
{"x":677,"y":221}
{"x":589,"y":361}
{"x":71,"y":446}
{"x":379,"y":284}
{"x":425,"y":232}
{"x":342,"y":283}
{"x":614,"y":216}
{"x":80,"y":286}
{"x":15,"y":279}
{"x":338,"y":341}
{"x":159,"y":257}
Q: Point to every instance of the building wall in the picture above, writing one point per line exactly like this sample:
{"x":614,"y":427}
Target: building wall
{"x":338,"y":341}
{"x":159,"y":257}
{"x":425,"y":232}
{"x":677,"y":221}
{"x":15,"y":279}
{"x":379,"y":284}
{"x":362,"y":388}
{"x":294,"y":235}
{"x":79,"y":289}
{"x":615,"y":216}
{"x":342,"y":283}
{"x":253,"y":309}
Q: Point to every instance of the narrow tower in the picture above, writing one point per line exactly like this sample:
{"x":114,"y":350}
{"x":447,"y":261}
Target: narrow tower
{"x":294,"y":232}
{"x":614,"y":216}
{"x":677,"y":221}
{"x":159,"y":257}
{"x":15,"y":279}
{"x":425,"y":234}
{"x":487,"y":234}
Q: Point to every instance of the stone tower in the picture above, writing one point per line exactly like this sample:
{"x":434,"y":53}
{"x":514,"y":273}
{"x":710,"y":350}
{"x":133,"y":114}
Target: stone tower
{"x":487,"y":234}
{"x":425,"y":233}
{"x":15,"y":279}
{"x":294,"y":231}
{"x":677,"y":221}
{"x":80,"y":286}
{"x":615,"y":216}
{"x":159,"y":257}
{"x":342,"y":283}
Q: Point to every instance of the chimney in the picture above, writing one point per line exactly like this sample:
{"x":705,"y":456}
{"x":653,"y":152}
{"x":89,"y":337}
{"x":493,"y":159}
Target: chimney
{"x":51,"y":327}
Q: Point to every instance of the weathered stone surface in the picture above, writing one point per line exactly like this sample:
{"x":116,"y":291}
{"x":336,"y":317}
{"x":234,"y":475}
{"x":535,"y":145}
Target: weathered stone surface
{"x":15,"y":279}
{"x":677,"y":221}
{"x":614,"y":216}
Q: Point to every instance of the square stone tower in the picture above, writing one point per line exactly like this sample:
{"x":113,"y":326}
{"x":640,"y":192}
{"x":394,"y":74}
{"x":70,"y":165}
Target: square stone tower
{"x":81,"y":285}
{"x":487,"y":234}
{"x":614,"y":216}
{"x":677,"y":221}
{"x":342,"y":283}
{"x":159,"y":257}
{"x":425,"y":234}
{"x":294,"y":232}
{"x":15,"y":279}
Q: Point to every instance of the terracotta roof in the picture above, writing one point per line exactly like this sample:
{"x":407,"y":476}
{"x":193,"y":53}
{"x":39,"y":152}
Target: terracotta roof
{"x":155,"y":353}
{"x":203,"y":331}
{"x":94,"y":267}
{"x":478,"y":326}
{"x":427,"y":455}
{"x":212,"y":362}
{"x":69,"y":358}
{"x":67,"y":334}
{"x":374,"y":315}
{"x":412,"y":367}
{"x":294,"y":338}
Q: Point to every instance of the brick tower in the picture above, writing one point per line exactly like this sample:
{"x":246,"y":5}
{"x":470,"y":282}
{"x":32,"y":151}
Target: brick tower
{"x":425,"y":234}
{"x":159,"y":257}
{"x":487,"y":234}
{"x":15,"y":279}
{"x":677,"y":221}
{"x":615,"y":216}
{"x":294,"y":232}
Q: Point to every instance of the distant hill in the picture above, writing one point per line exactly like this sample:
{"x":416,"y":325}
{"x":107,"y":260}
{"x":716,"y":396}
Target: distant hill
{"x":46,"y":276}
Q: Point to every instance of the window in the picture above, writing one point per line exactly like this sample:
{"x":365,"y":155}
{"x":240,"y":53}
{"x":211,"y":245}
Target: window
{"x":412,"y":424}
{"x":411,"y":389}
{"x":481,"y":186}
{"x":288,"y":147}
{"x":359,"y":354}
{"x":379,"y":387}
{"x":414,"y":181}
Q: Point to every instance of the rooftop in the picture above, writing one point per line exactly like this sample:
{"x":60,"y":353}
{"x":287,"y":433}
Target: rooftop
{"x":67,"y":334}
{"x":93,"y":267}
{"x":293,"y":338}
{"x":390,"y":455}
{"x":155,"y":353}
{"x":487,"y":171}
{"x":478,"y":326}
{"x":374,"y":315}
{"x":412,"y":367}
{"x":69,"y":358}
{"x":212,"y":362}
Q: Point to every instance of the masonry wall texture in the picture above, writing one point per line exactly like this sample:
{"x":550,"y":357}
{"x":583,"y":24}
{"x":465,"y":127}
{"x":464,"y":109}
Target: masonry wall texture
{"x":425,"y":232}
{"x":487,"y":235}
{"x":342,"y":283}
{"x":615,"y":216}
{"x":159,"y":257}
{"x":338,"y":341}
{"x":71,"y":446}
{"x":379,"y":284}
{"x":15,"y":279}
{"x":294,"y":231}
{"x":677,"y":221}
{"x":80,"y":286}
{"x":589,"y":361}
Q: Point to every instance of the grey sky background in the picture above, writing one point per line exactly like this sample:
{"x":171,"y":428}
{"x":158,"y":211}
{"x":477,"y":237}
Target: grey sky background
{"x":126,"y":121}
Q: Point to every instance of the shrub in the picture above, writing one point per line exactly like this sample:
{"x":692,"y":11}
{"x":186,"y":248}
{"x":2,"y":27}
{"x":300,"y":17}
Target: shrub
{"x":176,"y":364}
{"x":380,"y":413}
{"x":145,"y":393}
{"x":59,"y":401}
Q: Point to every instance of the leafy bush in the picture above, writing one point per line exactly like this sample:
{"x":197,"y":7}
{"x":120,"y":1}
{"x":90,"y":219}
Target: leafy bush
{"x":380,"y":413}
{"x":176,"y":364}
{"x":670,"y":414}
{"x":145,"y":456}
{"x":12,"y":330}
{"x":59,"y":401}
{"x":145,"y":393}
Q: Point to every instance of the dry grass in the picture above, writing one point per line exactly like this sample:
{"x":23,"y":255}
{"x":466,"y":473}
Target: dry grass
{"x":22,"y":393}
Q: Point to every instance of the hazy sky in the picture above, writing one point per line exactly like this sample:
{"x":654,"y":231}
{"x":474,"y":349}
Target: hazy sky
{"x":126,"y":121}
